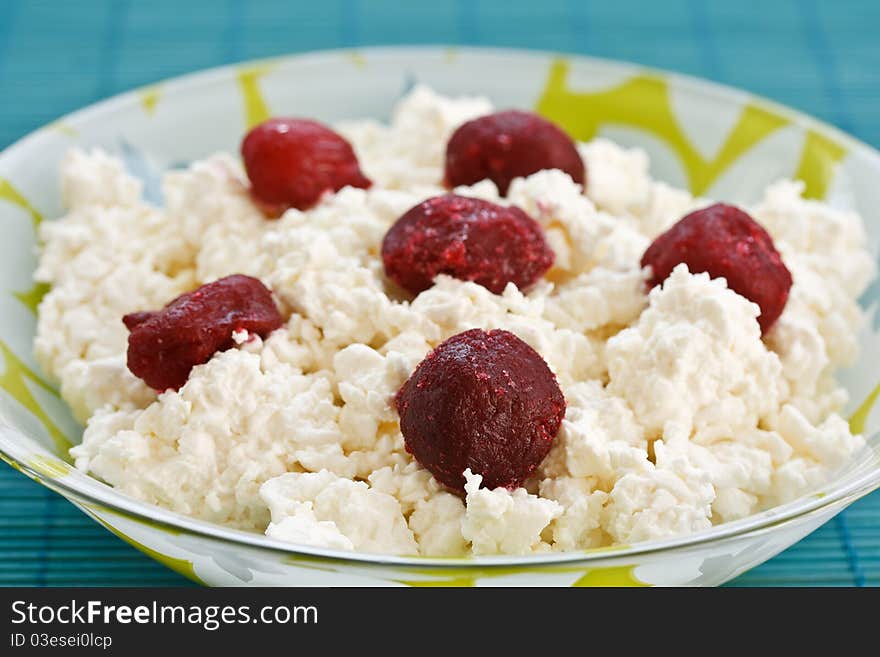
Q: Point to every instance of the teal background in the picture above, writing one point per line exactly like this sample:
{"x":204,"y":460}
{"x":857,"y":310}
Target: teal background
{"x":57,"y":56}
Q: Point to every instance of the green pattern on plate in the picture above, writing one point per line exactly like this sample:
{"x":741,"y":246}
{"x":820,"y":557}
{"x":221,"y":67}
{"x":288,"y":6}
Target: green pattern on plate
{"x":49,"y":466}
{"x":64,"y":128}
{"x":181,"y":566}
{"x":150,"y":98}
{"x":255,"y":108}
{"x":12,"y":464}
{"x":11,"y":194}
{"x":643,"y":102}
{"x":357,"y":58}
{"x":859,"y":419}
{"x":615,"y":576}
{"x":13,"y":381}
{"x":460,"y":581}
{"x":607,"y":576}
{"x":31,"y":298}
{"x":819,"y":159}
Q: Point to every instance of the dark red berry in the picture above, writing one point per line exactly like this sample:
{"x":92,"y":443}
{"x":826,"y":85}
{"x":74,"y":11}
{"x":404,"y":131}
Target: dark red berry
{"x":508,"y":145}
{"x":134,"y":319}
{"x":725,"y":242}
{"x":469,"y":239}
{"x":293,"y":162}
{"x":163,"y":346}
{"x":481,"y":400}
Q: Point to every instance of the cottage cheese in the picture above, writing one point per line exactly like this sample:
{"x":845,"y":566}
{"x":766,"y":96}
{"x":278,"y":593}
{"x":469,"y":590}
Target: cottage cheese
{"x":680,"y":415}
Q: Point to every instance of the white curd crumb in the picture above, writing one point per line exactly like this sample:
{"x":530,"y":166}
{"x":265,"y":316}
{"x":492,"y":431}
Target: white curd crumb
{"x":504,"y":521}
{"x":347,"y":514}
{"x":695,"y":357}
{"x":96,"y":178}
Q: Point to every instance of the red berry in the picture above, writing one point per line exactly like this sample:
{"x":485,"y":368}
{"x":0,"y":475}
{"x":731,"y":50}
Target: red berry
{"x":293,"y":162}
{"x":508,"y":145}
{"x":163,"y":346}
{"x":481,"y":400}
{"x":725,"y":242}
{"x":135,"y":319}
{"x":468,"y":238}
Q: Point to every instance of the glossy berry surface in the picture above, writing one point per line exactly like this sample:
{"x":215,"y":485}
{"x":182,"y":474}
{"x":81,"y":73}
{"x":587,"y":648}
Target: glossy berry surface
{"x":469,"y":239}
{"x":508,"y":145}
{"x":724,"y":241}
{"x":293,"y":162}
{"x":483,"y":400}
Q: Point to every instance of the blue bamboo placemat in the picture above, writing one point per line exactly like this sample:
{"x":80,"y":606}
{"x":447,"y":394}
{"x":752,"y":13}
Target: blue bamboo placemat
{"x":56,"y":57}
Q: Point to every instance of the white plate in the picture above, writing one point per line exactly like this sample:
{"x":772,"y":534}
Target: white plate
{"x":716,"y":141}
